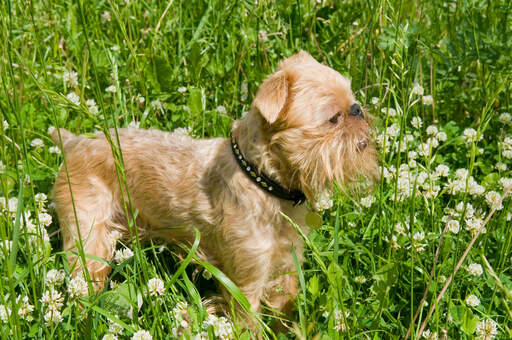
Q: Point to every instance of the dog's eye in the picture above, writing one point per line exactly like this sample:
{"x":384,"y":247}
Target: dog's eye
{"x":334,"y":119}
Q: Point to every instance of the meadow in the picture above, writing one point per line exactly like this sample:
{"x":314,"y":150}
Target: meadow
{"x":425,"y":254}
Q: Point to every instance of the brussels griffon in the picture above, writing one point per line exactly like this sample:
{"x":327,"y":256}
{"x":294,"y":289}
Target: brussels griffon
{"x":304,"y":132}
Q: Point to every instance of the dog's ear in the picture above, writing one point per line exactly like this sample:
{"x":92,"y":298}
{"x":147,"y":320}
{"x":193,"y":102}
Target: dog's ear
{"x":271,"y":97}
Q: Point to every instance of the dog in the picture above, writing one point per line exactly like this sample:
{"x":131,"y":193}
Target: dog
{"x":304,"y":132}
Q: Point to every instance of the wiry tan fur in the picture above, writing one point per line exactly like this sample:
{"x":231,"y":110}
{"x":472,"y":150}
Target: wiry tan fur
{"x":174,"y":180}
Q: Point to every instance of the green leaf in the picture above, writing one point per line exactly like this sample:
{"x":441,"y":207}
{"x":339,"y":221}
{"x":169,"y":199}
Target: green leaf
{"x":491,"y":180}
{"x":469,"y":322}
{"x":163,"y":73}
{"x":313,"y":287}
{"x":457,"y":314}
{"x":196,"y":101}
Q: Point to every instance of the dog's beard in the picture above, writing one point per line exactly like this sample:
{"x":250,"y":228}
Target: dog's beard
{"x":321,"y":157}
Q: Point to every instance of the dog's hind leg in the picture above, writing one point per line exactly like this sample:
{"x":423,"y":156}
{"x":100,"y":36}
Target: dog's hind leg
{"x":85,"y":224}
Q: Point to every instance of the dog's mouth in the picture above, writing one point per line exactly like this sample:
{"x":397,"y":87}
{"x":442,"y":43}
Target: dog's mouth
{"x":362,"y":144}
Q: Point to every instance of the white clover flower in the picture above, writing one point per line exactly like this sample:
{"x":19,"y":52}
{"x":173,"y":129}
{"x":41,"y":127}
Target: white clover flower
{"x":5,"y":124}
{"x":473,"y":224}
{"x":37,"y":143}
{"x":432,"y":142}
{"x":417,"y":89}
{"x":383,"y":142}
{"x":475,"y":269}
{"x":222,"y":328}
{"x":91,"y":106}
{"x":25,"y":308}
{"x":157,"y":105}
{"x":501,"y":166}
{"x":12,"y":205}
{"x":184,"y":131}
{"x":422,"y":177}
{"x":244,"y":92}
{"x":221,"y":109}
{"x":55,"y":277}
{"x":115,"y":328}
{"x":109,"y":337}
{"x":105,"y":16}
{"x":493,"y":200}
{"x":40,"y":199}
{"x":441,"y":136}
{"x":77,"y":287}
{"x":416,"y":122}
{"x":200,"y":336}
{"x":45,"y":219}
{"x":424,"y":149}
{"x":432,"y":130}
{"x":431,"y":190}
{"x":428,"y":335}
{"x":418,"y":236}
{"x":122,"y":255}
{"x":470,"y":135}
{"x":324,"y":201}
{"x":360,"y":279}
{"x":505,"y":118}
{"x":389,"y":111}
{"x":442,"y":171}
{"x":111,"y":89}
{"x":453,"y":226}
{"x":54,"y":150}
{"x":182,"y":89}
{"x":115,"y":48}
{"x":142,"y":335}
{"x":408,"y":138}
{"x":401,"y":227}
{"x":4,"y":313}
{"x":71,"y":78}
{"x":73,"y":98}
{"x":340,"y":320}
{"x":388,"y":173}
{"x":367,"y":201}
{"x":486,"y":329}
{"x":156,"y":286}
{"x":427,"y":100}
{"x":374,"y":100}
{"x":460,"y":209}
{"x":134,"y":125}
{"x":52,"y":299}
{"x":474,"y":188}
{"x":53,"y":317}
{"x":412,"y":154}
{"x":394,"y":243}
{"x":505,"y":182}
{"x":472,"y":301}
{"x":461,"y":173}
{"x":141,"y":99}
{"x":393,"y":130}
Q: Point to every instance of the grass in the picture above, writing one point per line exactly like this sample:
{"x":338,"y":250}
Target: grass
{"x":196,"y":65}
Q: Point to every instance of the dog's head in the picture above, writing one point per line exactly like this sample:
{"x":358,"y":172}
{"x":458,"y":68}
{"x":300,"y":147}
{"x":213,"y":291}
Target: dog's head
{"x":314,"y":123}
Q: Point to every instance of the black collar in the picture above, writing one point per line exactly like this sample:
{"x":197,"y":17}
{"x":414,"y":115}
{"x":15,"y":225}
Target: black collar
{"x":263,"y":181}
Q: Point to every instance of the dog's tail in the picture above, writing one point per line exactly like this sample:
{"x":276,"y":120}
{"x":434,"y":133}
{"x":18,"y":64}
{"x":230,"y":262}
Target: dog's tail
{"x":68,"y":139}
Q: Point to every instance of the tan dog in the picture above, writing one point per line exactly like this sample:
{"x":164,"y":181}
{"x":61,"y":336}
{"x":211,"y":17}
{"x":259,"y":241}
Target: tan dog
{"x":303,"y":132}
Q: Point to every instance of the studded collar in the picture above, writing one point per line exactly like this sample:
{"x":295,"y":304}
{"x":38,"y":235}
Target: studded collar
{"x":262,"y":180}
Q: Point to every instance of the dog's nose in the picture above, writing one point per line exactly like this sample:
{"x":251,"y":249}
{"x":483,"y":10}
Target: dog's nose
{"x":355,"y":110}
